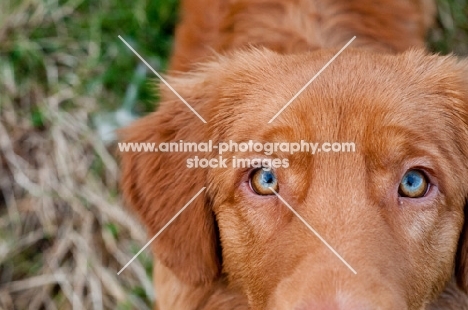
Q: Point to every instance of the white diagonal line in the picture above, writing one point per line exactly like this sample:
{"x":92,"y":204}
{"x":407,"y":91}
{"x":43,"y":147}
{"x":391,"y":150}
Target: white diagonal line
{"x":161,"y":230}
{"x":163,"y":80}
{"x":314,"y":231}
{"x":311,"y":80}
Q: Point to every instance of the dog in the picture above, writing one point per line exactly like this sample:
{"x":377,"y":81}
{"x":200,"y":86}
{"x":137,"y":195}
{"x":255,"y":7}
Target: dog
{"x":389,"y":218}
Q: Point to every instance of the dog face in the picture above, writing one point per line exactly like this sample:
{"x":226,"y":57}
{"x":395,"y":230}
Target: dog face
{"x":393,"y":209}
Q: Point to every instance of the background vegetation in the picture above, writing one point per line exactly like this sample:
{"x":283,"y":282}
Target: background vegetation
{"x":66,"y":81}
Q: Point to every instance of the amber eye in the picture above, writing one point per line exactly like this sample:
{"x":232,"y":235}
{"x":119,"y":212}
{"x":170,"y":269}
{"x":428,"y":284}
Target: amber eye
{"x":261,"y":180}
{"x":414,"y":184}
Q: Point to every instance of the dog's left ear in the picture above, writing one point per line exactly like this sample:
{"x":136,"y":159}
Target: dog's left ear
{"x":461,"y":267}
{"x":446,"y":78}
{"x":461,"y":271}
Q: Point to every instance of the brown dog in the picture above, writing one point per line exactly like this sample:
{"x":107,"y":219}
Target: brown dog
{"x":394,"y":209}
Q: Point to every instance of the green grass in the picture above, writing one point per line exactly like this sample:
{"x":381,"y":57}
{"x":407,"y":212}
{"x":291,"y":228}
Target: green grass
{"x":49,"y":43}
{"x":451,"y":31}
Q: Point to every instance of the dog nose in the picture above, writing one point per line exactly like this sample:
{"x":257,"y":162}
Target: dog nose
{"x":333,"y":305}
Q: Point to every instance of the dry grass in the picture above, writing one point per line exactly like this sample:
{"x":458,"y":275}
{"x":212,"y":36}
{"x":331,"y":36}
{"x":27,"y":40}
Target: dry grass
{"x":63,"y":230}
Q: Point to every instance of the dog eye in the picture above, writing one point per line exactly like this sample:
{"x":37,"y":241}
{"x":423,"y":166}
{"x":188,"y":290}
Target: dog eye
{"x":414,"y":184}
{"x":260,"y":181}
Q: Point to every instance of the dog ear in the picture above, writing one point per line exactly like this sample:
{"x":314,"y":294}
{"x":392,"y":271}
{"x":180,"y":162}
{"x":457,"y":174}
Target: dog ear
{"x":158,"y":184}
{"x":461,"y":271}
{"x":447,"y":79}
{"x":461,"y":268}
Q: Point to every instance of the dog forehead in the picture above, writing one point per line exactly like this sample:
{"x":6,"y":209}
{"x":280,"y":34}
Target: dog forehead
{"x":287,"y":90}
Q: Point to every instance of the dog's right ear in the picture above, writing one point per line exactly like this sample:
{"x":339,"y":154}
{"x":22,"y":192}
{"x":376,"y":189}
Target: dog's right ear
{"x":158,"y":184}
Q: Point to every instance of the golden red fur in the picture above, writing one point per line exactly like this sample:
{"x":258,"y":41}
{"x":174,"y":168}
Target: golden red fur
{"x":234,"y":249}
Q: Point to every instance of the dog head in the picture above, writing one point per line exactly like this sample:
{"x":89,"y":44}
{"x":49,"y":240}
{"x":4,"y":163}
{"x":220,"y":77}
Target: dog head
{"x":393,"y":209}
